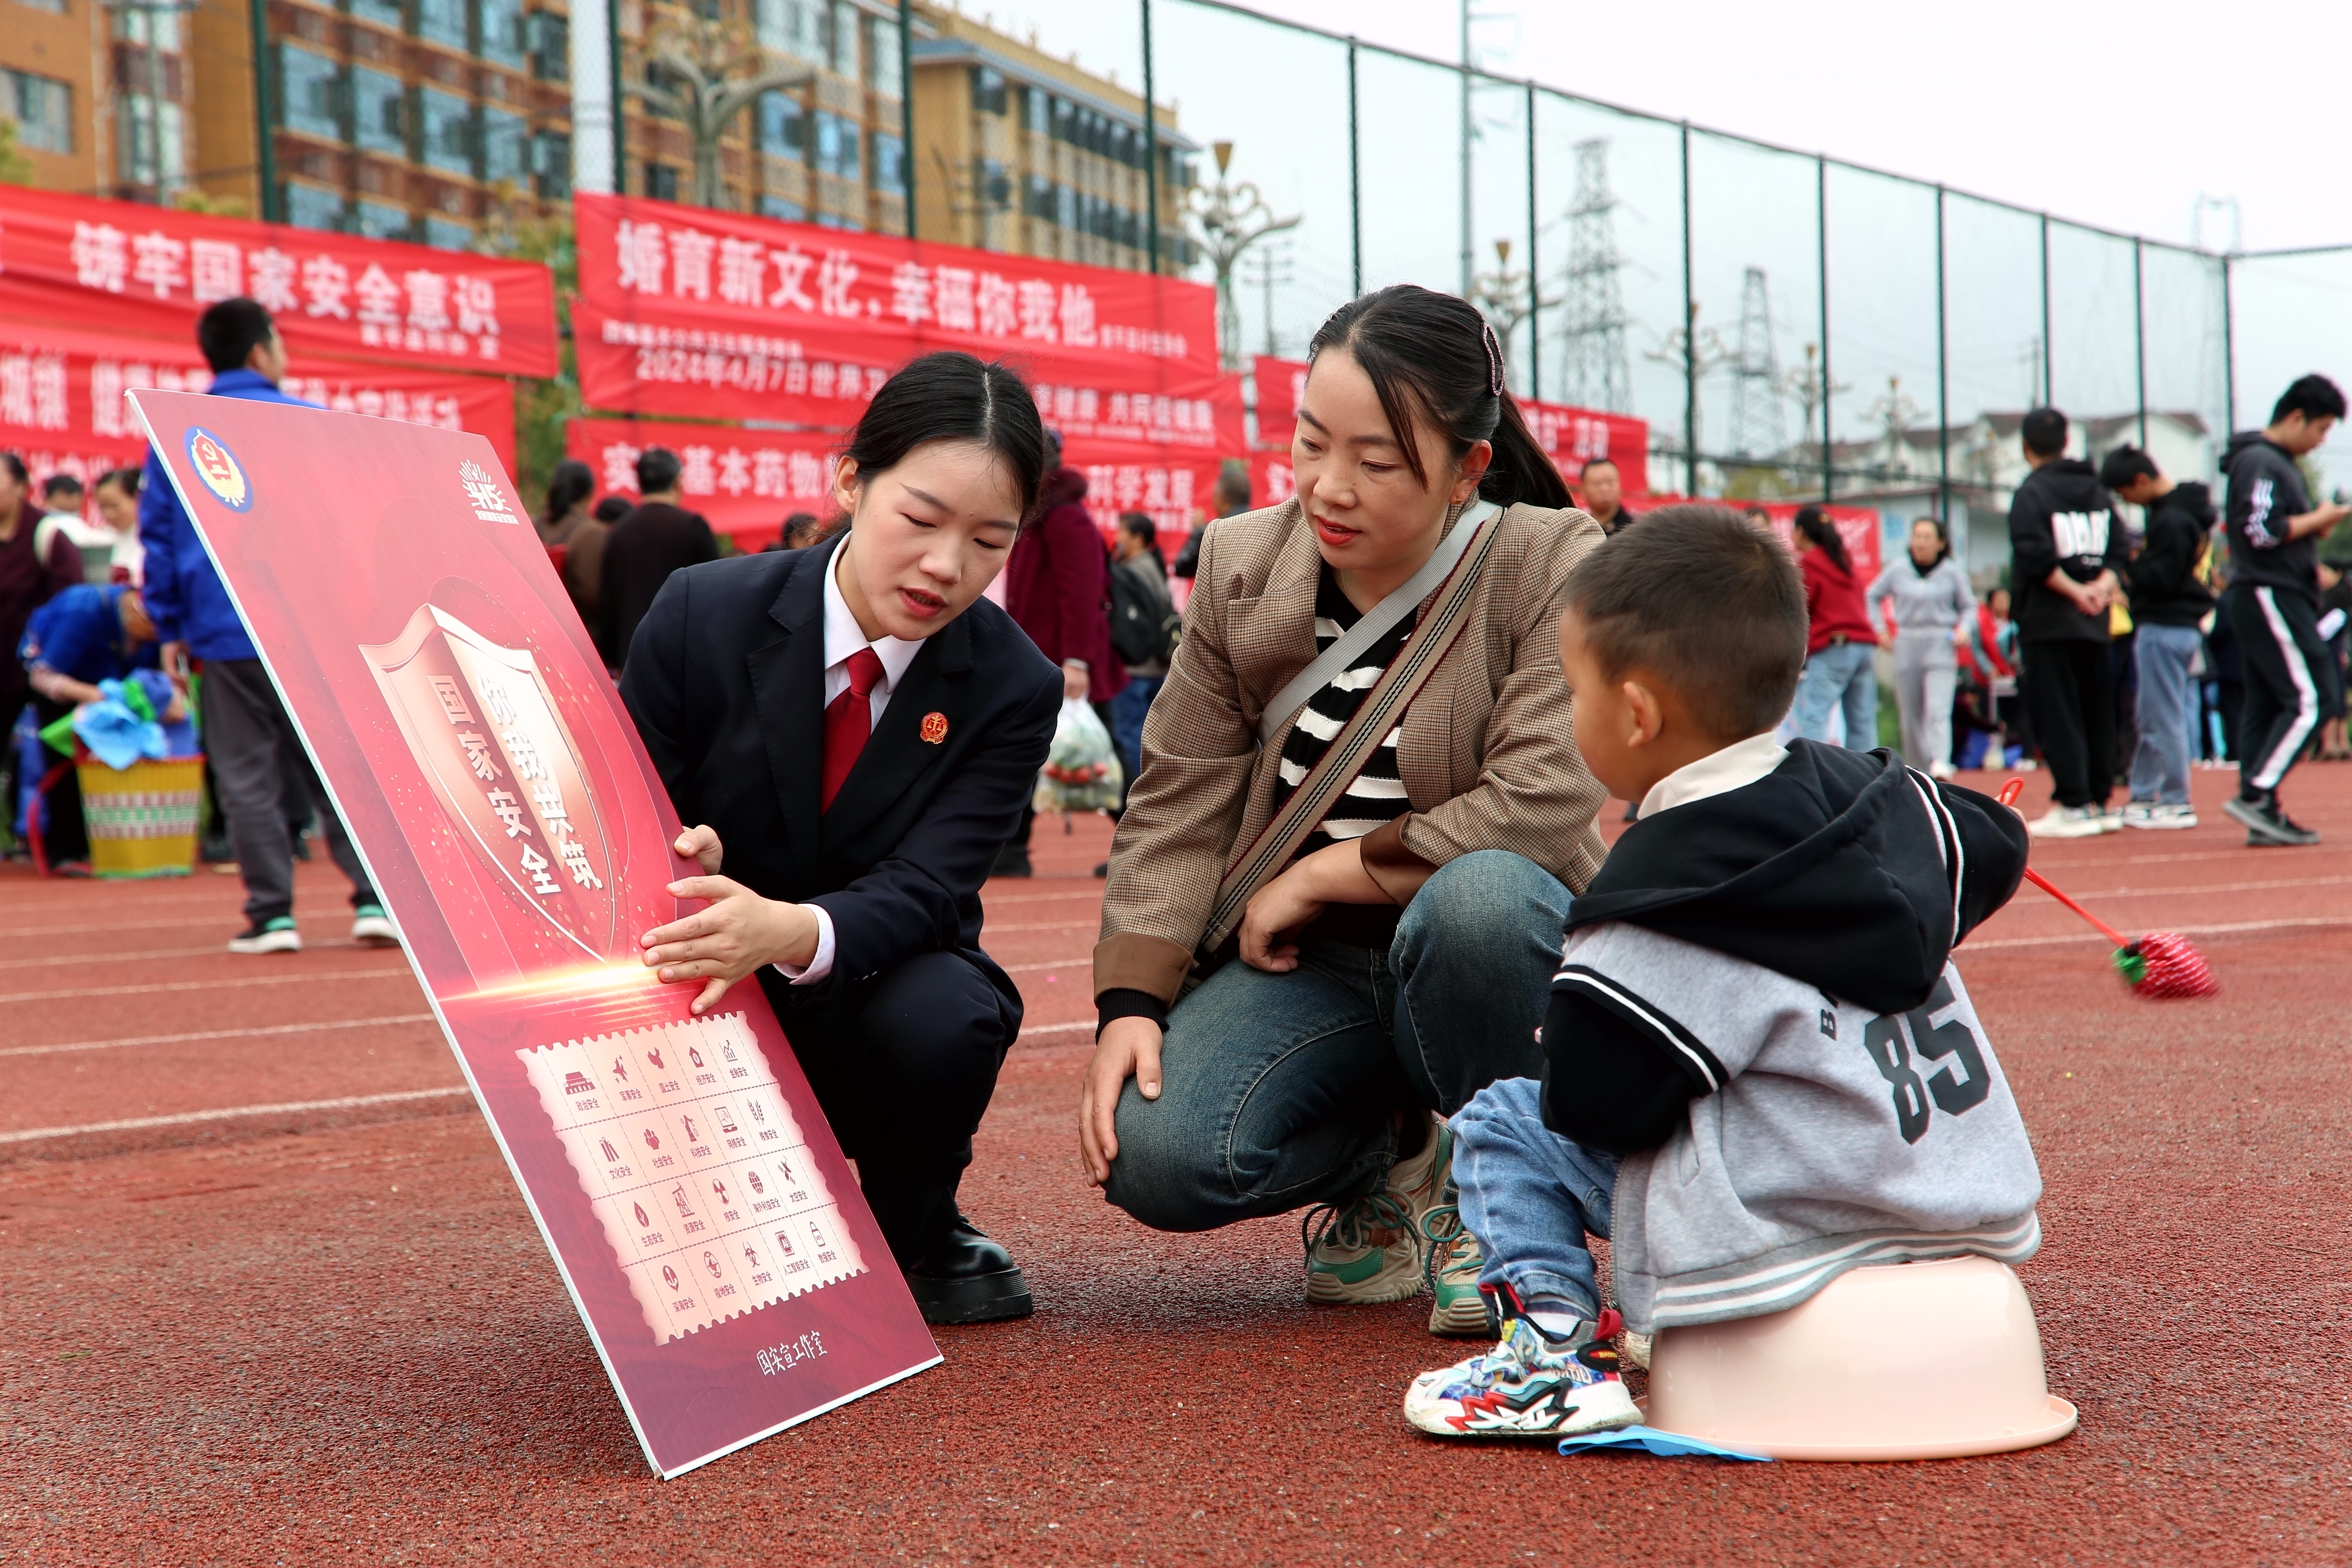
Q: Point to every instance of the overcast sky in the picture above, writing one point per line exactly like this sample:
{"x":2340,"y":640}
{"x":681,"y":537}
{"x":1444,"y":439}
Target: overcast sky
{"x":2114,"y":114}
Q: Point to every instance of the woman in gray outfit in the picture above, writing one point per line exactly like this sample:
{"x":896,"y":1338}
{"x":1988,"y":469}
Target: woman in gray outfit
{"x":1929,"y":604}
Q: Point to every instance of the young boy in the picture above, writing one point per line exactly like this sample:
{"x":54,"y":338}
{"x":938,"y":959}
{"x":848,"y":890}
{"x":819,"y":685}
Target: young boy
{"x":1761,"y":1067}
{"x":2168,"y":601}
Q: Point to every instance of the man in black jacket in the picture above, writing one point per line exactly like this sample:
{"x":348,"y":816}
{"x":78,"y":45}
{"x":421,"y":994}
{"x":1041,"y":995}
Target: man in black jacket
{"x":2169,"y":601}
{"x":658,"y":537}
{"x":2273,"y":599}
{"x":2066,"y":558}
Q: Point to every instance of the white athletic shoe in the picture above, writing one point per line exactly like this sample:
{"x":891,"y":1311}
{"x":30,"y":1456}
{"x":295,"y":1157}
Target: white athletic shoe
{"x":1531,"y":1384}
{"x":2068,"y":822}
{"x":2154,"y":814}
{"x":371,"y":927}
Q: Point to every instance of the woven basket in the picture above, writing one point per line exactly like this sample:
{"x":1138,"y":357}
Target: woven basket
{"x":142,"y":820}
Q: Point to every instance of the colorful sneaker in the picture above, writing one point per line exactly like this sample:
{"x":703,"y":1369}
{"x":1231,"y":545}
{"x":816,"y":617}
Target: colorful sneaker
{"x":371,"y":927}
{"x":277,"y":935}
{"x":1455,"y":1259}
{"x":1369,"y":1251}
{"x":1531,"y":1384}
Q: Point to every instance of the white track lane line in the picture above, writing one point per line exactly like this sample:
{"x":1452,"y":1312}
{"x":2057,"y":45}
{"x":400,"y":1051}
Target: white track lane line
{"x":349,"y":1102}
{"x":403,"y":973}
{"x":2088,"y":935}
{"x":138,"y":925}
{"x":217,"y":950}
{"x":387,"y":1020}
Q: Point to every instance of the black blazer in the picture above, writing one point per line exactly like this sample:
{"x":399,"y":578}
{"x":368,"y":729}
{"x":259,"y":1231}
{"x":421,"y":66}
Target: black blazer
{"x":726,"y":682}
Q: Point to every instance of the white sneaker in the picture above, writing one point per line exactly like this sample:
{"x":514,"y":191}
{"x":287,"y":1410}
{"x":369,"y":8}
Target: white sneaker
{"x":2068,"y":822}
{"x":1943,"y":773}
{"x":371,"y":927}
{"x":275,"y":935}
{"x":2110,"y":821}
{"x":2152,"y":815}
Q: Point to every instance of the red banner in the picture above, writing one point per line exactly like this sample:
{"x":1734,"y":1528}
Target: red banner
{"x":699,"y":1209}
{"x":61,"y":395}
{"x":877,"y":299}
{"x":1572,"y":436}
{"x":746,"y":482}
{"x":647,"y":367}
{"x":152,"y":271}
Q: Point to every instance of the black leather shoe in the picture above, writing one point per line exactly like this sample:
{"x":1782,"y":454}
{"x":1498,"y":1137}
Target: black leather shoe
{"x":969,"y":1279}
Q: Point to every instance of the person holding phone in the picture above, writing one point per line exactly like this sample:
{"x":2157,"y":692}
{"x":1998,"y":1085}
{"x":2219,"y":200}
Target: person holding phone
{"x":851,"y":733}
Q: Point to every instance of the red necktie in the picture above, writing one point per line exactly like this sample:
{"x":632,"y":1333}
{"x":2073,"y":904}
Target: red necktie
{"x":849,"y":721}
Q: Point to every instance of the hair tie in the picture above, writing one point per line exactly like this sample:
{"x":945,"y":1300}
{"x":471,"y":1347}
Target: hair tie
{"x":1494,"y":347}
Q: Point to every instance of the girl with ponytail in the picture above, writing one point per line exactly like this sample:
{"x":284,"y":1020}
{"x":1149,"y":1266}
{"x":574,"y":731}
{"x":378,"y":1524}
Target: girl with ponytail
{"x":1840,"y":673}
{"x":1336,"y":896}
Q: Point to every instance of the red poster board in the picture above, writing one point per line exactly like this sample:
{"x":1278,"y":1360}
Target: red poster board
{"x":697,"y":1206}
{"x":152,"y":271}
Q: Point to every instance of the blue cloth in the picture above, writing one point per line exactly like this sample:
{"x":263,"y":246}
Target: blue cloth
{"x":1649,"y":1439}
{"x":1280,"y":1090}
{"x":80,"y":634}
{"x":2159,"y":770}
{"x":1530,"y":1195}
{"x":1835,"y":677}
{"x":115,"y":735}
{"x":184,"y":594}
{"x":1127,"y":711}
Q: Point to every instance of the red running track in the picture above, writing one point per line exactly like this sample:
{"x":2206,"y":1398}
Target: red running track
{"x":328,"y":1333}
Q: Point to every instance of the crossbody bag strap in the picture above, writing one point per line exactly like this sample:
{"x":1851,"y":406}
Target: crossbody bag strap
{"x":1376,"y":622}
{"x":1267,"y":854}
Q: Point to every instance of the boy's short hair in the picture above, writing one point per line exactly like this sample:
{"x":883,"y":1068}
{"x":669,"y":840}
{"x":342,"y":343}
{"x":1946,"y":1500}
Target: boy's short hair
{"x":2125,"y":465}
{"x":2313,"y":397}
{"x":61,"y":485}
{"x":1701,"y":599}
{"x":230,"y":330}
{"x":2044,"y":430}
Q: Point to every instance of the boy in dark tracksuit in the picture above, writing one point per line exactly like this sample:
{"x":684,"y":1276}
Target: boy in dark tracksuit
{"x":2067,"y":558}
{"x":2274,"y":600}
{"x":2169,"y":601}
{"x":1762,"y":1068}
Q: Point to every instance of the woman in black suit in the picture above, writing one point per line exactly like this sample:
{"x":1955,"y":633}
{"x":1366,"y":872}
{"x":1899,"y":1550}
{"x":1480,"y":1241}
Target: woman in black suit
{"x":859,"y":729}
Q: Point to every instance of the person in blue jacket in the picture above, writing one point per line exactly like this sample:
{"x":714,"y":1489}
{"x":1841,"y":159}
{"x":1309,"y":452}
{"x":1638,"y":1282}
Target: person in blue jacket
{"x":85,"y":635}
{"x":250,"y":742}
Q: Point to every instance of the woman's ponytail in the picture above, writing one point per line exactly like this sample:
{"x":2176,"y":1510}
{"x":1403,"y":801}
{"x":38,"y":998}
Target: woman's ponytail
{"x":1522,"y":472}
{"x":1815,"y":525}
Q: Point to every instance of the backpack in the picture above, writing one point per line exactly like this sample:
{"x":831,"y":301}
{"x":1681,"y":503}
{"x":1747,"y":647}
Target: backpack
{"x":1144,"y":625}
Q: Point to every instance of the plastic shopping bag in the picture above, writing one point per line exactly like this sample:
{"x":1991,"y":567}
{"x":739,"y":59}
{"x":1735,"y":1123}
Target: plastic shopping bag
{"x":1081,"y":770}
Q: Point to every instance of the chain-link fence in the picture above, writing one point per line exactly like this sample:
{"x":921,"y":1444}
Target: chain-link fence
{"x":1788,"y":324}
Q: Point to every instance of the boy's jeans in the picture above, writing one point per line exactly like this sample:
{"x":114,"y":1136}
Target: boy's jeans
{"x":1839,"y":678}
{"x":2159,"y":770}
{"x":1529,"y":1195}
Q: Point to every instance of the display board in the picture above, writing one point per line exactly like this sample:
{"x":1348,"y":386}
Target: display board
{"x":696,"y":1203}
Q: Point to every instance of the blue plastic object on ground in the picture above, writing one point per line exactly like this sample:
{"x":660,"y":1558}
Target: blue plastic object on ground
{"x":1649,"y":1439}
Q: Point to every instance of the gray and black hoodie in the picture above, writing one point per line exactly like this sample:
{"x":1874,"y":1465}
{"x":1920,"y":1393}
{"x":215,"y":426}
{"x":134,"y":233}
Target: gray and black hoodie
{"x":1757,"y":1010}
{"x":2266,"y":489}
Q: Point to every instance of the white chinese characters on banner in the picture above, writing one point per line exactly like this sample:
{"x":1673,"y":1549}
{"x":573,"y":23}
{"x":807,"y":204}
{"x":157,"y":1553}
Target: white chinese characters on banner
{"x":1083,"y":413}
{"x":1161,"y":491}
{"x":707,"y":471}
{"x":746,"y":362}
{"x":1568,"y":436}
{"x":423,"y":311}
{"x":111,"y":416}
{"x":676,"y":262}
{"x":33,"y":392}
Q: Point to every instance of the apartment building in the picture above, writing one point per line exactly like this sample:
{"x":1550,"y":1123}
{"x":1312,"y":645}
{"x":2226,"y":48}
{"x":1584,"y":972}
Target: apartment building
{"x":1018,"y":151}
{"x":100,"y":94}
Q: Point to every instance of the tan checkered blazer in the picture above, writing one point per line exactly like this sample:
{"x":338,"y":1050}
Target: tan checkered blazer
{"x":1486,"y":753}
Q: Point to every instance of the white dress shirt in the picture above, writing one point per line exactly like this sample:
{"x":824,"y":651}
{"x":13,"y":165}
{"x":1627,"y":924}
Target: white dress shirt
{"x":1735,"y":766}
{"x":844,"y":638}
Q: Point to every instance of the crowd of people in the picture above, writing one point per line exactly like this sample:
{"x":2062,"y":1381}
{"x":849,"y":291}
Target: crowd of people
{"x":1364,"y":951}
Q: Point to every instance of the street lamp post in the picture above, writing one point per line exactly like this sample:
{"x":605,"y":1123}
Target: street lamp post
{"x":1231,"y":216}
{"x":1507,"y":298}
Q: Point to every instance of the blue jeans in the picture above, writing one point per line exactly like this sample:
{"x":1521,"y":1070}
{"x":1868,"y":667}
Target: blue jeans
{"x":1127,"y":711}
{"x":2159,"y":768}
{"x":1280,"y":1090}
{"x":1529,"y":1195}
{"x":1839,"y":676}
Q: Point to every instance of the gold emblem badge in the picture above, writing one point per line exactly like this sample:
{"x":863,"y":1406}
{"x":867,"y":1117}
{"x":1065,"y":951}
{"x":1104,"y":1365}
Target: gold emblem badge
{"x":935,"y":728}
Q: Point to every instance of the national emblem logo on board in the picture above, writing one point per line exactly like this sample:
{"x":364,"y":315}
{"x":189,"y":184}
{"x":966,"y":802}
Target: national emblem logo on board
{"x":484,"y":493}
{"x":218,"y":469}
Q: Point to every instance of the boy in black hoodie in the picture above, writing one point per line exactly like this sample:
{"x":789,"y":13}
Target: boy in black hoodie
{"x":2274,"y":600}
{"x":2067,"y":557}
{"x":1761,"y":1067}
{"x":2168,"y":601}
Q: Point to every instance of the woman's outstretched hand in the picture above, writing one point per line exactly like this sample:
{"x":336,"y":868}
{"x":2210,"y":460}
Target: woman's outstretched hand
{"x":1130,"y":1048}
{"x":734,"y":937}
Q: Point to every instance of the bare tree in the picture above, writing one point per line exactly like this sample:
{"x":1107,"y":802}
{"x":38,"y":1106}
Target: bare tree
{"x":702,"y":61}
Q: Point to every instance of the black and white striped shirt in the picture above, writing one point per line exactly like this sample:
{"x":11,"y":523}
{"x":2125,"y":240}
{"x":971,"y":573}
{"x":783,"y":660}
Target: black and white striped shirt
{"x":1377,"y":794}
